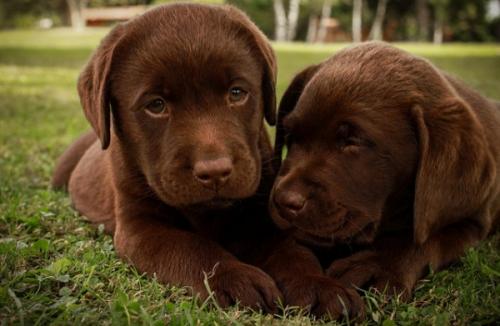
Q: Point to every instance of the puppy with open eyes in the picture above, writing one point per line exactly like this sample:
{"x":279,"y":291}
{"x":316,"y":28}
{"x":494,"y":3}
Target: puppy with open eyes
{"x":178,"y":165}
{"x":389,"y":158}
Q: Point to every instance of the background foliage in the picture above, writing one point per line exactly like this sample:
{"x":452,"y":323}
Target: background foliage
{"x":466,"y":20}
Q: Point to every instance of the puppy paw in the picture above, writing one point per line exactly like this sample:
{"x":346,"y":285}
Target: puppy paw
{"x":235,"y":282}
{"x":322,"y":296}
{"x":366,"y":268}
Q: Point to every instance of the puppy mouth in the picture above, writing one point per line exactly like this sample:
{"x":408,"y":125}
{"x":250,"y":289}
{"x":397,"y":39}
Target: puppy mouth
{"x":323,"y":235}
{"x":334,"y":223}
{"x":214,"y":203}
{"x":315,"y":239}
{"x":349,"y":226}
{"x":197,"y":196}
{"x":338,"y":235}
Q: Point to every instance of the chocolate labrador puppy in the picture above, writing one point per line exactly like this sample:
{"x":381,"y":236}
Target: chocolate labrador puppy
{"x":389,"y":158}
{"x":177,"y":167}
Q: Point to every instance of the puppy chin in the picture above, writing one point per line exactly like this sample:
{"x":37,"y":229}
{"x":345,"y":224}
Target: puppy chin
{"x":215,"y":203}
{"x":357,"y":232}
{"x":311,"y":239}
{"x":279,"y":221}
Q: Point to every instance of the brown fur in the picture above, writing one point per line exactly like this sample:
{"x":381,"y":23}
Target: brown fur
{"x":145,"y":174}
{"x":390,"y":159}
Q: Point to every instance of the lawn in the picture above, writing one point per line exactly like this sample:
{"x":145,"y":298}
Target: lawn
{"x":54,"y":268}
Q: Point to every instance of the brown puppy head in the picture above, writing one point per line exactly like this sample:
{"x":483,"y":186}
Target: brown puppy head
{"x":188,"y":86}
{"x":373,"y":134}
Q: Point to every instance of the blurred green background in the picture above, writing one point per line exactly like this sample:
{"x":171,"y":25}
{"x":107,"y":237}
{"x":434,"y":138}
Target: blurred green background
{"x":291,"y":20}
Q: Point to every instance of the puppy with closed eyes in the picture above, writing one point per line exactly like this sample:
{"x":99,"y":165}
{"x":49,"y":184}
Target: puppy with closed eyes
{"x":390,"y":159}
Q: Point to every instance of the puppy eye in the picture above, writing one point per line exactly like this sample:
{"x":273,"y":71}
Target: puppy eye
{"x":156,"y":106}
{"x":237,"y":94}
{"x":353,"y":141}
{"x":347,"y":138}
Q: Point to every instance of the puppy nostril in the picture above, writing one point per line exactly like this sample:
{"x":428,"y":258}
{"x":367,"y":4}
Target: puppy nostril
{"x":203,"y":177}
{"x":226,"y":173}
{"x":294,"y":205}
{"x":291,"y":201}
{"x":213,"y":173}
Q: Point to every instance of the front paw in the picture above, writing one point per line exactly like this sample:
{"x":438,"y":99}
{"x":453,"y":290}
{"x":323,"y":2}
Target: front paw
{"x":322,"y":296}
{"x":235,"y":282}
{"x":367,"y":268}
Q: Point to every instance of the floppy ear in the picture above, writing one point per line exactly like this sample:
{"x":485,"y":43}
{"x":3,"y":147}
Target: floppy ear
{"x":456,"y":168}
{"x":93,"y":86}
{"x":287,"y":104}
{"x":263,"y":47}
{"x":269,"y":82}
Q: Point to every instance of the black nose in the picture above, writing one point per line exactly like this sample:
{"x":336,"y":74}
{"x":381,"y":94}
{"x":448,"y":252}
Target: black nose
{"x":289,"y":203}
{"x":213,"y":173}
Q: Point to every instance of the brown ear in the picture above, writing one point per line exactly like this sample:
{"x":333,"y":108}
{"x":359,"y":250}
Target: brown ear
{"x":263,"y":47}
{"x":456,"y":168}
{"x":93,"y":86}
{"x":287,"y":104}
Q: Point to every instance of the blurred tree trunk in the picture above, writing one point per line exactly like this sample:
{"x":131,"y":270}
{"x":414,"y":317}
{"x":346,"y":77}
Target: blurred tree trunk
{"x":76,"y":13}
{"x":280,"y":20}
{"x":357,"y":15}
{"x":376,"y":32}
{"x":286,"y":25}
{"x":423,"y":20}
{"x":326,"y":12}
{"x":440,"y":14}
{"x":438,"y":32}
{"x":312,"y":29}
{"x":293,"y":17}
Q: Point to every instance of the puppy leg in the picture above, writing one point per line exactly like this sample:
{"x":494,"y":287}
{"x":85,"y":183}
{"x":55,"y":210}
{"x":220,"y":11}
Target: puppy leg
{"x":396,"y":264}
{"x":182,"y":258}
{"x":70,"y":158}
{"x":91,"y":189}
{"x":303,"y":283}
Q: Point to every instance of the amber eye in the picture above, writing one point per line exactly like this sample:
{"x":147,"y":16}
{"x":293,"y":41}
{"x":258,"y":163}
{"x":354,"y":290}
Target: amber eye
{"x":237,"y":94}
{"x":157,"y":106}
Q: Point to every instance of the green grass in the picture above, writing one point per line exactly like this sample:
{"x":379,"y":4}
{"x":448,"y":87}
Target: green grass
{"x":54,"y":268}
